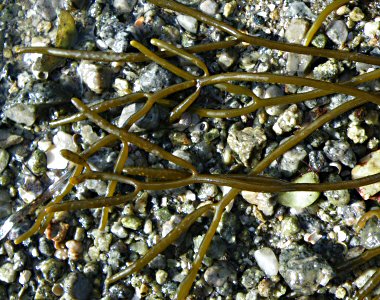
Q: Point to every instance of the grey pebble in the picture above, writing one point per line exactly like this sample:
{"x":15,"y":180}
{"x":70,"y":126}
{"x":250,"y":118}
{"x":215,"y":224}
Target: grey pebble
{"x":370,"y":235}
{"x":154,"y":78}
{"x":340,"y":151}
{"x":291,"y":160}
{"x":303,"y":270}
{"x":299,"y":9}
{"x":209,"y":7}
{"x":77,"y":286}
{"x":188,"y":23}
{"x":217,"y":274}
{"x":51,"y":269}
{"x":337,"y":32}
{"x":124,"y":6}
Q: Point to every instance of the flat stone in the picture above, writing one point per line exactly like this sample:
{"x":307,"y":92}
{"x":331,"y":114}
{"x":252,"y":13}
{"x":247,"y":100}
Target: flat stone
{"x":22,"y":114}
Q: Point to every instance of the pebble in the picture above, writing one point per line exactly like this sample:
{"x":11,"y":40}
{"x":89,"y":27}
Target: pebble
{"x":37,"y":162}
{"x":78,"y":286}
{"x":368,"y":165}
{"x":161,"y":276}
{"x":340,"y":151}
{"x":247,"y":143}
{"x":150,"y":121}
{"x":370,"y":235}
{"x":4,"y":159}
{"x":75,"y":249}
{"x":209,"y":7}
{"x":264,"y":201}
{"x":7,"y":273}
{"x":288,"y":120}
{"x":188,"y":23}
{"x":227,"y":59}
{"x":291,"y":160}
{"x":356,"y":14}
{"x":63,"y":140}
{"x":97,"y":78}
{"x":303,"y":270}
{"x":272,"y":92}
{"x":24,"y":276}
{"x":337,"y":32}
{"x":371,"y":29}
{"x":298,"y":9}
{"x":297,"y":63}
{"x":300,"y":199}
{"x":131,"y":222}
{"x":22,"y":114}
{"x":51,"y":269}
{"x":218,"y":274}
{"x":296,"y":31}
{"x":154,"y":78}
{"x":251,"y":277}
{"x":118,"y":230}
{"x":124,"y":6}
{"x":339,"y":197}
{"x":267,"y":261}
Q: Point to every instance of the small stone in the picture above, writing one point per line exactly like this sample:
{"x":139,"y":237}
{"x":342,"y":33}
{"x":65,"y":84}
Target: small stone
{"x":288,"y":120}
{"x":319,"y":41}
{"x":296,"y":31}
{"x":298,"y":9}
{"x":356,"y":14}
{"x":64,"y":140}
{"x":303,"y":270}
{"x":4,"y":159}
{"x":264,"y":201}
{"x":247,"y":143}
{"x":209,"y":7}
{"x":75,"y":249}
{"x":368,"y":165}
{"x":217,"y":274}
{"x":289,"y":226}
{"x":7,"y":273}
{"x":131,"y":222}
{"x":102,"y":240}
{"x":149,"y":121}
{"x":188,"y":23}
{"x":229,"y":8}
{"x":371,"y":29}
{"x":161,"y":276}
{"x":267,"y":261}
{"x":139,"y":247}
{"x":300,"y":199}
{"x":356,"y":133}
{"x":272,"y":92}
{"x":337,"y":32}
{"x":369,"y":235}
{"x":97,"y":78}
{"x":297,"y":63}
{"x":291,"y":159}
{"x":227,"y":59}
{"x":339,"y":197}
{"x":24,"y":276}
{"x":51,"y":269}
{"x":78,"y":286}
{"x":124,"y":6}
{"x":37,"y":162}
{"x":22,"y":114}
{"x":340,"y":151}
{"x":251,"y":277}
{"x":118,"y":230}
{"x":326,"y":71}
{"x":154,"y":78}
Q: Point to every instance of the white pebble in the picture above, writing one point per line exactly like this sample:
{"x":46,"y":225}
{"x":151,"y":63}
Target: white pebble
{"x":267,"y":261}
{"x":371,"y":29}
{"x":209,"y":7}
{"x":188,"y":23}
{"x":24,"y":276}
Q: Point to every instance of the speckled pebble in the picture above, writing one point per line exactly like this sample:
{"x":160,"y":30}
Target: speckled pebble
{"x":22,"y":114}
{"x":303,"y":270}
{"x":340,"y":151}
{"x":217,"y":274}
{"x":7,"y":273}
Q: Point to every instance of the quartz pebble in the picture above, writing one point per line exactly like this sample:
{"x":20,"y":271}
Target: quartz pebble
{"x":267,"y":261}
{"x":7,"y":273}
{"x":368,"y":165}
{"x":96,"y":78}
{"x":22,"y":114}
{"x":188,"y":23}
{"x":124,"y":6}
{"x":337,"y":32}
{"x":209,"y":7}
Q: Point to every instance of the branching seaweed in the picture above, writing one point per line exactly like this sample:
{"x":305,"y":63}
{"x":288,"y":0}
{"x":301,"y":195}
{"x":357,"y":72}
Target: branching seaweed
{"x":141,"y":179}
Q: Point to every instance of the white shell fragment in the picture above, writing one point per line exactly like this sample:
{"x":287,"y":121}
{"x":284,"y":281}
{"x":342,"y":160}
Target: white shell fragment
{"x":267,"y":261}
{"x":368,"y":165}
{"x":300,"y":199}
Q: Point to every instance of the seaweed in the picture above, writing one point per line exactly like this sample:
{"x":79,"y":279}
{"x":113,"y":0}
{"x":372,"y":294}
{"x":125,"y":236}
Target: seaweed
{"x":139,"y":179}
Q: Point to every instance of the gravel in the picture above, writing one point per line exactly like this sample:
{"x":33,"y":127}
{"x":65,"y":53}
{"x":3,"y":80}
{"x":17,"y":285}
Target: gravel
{"x":257,"y":235}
